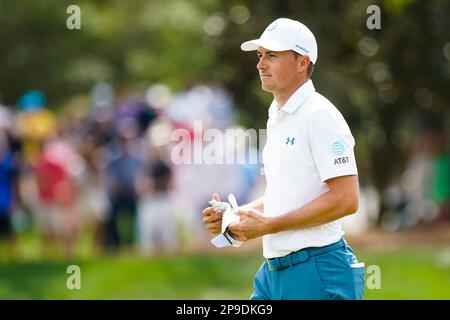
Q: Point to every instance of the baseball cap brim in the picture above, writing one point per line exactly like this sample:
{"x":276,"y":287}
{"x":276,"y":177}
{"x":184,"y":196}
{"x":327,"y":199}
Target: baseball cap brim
{"x":264,"y":43}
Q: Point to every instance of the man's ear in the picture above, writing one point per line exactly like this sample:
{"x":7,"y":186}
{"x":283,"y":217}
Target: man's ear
{"x":303,"y":64}
{"x":306,"y":61}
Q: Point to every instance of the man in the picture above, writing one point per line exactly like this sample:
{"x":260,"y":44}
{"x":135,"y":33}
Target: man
{"x":311,"y":178}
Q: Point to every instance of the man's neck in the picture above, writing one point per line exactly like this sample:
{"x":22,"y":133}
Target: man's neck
{"x":282,"y":97}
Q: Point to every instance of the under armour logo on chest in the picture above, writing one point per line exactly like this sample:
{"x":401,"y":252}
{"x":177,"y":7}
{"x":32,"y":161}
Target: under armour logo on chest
{"x":290,"y":141}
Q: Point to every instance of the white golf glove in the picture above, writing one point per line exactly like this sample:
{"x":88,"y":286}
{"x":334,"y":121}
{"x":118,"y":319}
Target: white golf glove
{"x":225,"y":239}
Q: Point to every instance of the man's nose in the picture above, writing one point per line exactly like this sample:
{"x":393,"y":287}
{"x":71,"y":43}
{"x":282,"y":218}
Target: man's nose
{"x":261,"y":64}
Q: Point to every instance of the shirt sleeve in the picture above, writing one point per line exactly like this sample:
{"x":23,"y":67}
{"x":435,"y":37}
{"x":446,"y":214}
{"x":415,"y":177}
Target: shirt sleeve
{"x":331,"y":144}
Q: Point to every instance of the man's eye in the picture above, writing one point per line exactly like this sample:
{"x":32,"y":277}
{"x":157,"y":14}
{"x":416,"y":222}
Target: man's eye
{"x":272,"y":55}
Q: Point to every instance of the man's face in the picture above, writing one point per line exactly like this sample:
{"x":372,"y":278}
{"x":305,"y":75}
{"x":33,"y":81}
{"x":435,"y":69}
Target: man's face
{"x":279,"y":70}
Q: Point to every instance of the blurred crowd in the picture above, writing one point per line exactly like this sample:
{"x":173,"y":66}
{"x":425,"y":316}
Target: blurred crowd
{"x":107,"y":171}
{"x":420,"y":194}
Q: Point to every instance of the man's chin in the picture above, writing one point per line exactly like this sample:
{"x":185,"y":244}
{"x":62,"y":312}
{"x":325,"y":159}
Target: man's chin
{"x":266,"y":87}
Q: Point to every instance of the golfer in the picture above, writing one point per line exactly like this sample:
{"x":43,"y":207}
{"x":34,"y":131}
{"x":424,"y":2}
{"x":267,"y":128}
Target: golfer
{"x":311,"y":175}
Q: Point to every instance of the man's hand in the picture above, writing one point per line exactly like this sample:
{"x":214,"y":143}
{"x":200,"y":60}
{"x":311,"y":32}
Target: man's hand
{"x":212,"y":218}
{"x":252,"y":225}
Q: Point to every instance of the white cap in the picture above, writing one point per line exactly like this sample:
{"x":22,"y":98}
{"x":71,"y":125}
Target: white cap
{"x":286,"y":34}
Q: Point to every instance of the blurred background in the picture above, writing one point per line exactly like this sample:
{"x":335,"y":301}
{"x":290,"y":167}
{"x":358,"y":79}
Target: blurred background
{"x":87,"y":118}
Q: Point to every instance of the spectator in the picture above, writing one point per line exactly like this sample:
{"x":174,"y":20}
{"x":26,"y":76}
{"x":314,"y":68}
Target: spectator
{"x":156,"y":224}
{"x":57,"y":213}
{"x":8,"y":193}
{"x":120,"y":179}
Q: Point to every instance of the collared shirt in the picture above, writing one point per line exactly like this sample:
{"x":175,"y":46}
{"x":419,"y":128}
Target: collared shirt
{"x":308,"y":142}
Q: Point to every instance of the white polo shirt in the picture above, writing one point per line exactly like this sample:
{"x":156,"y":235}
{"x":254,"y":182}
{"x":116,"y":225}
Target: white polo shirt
{"x":308,"y":142}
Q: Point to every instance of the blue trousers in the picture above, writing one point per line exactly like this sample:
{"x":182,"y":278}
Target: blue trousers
{"x":325,"y":273}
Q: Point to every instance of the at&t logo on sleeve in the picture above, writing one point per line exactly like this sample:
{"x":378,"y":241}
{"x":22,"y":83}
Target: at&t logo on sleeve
{"x":338,"y":149}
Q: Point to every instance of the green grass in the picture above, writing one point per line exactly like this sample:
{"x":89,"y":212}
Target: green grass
{"x":184,"y":277}
{"x":410,"y":273}
{"x":405,"y":274}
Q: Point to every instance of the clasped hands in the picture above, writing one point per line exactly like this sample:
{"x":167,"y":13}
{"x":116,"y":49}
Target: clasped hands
{"x":252,"y":223}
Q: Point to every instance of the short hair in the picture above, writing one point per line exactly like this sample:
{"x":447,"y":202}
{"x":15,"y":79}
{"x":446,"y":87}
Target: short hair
{"x":310,"y":70}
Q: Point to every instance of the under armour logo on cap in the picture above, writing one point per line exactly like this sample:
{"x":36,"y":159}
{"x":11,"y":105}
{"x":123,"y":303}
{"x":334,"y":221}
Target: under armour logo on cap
{"x":272,"y":26}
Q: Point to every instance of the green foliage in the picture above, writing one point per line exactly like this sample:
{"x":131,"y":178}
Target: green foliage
{"x":124,"y":43}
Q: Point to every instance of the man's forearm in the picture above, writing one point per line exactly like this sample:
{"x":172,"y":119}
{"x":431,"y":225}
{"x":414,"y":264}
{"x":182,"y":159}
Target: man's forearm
{"x":257,"y":205}
{"x":325,"y":208}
